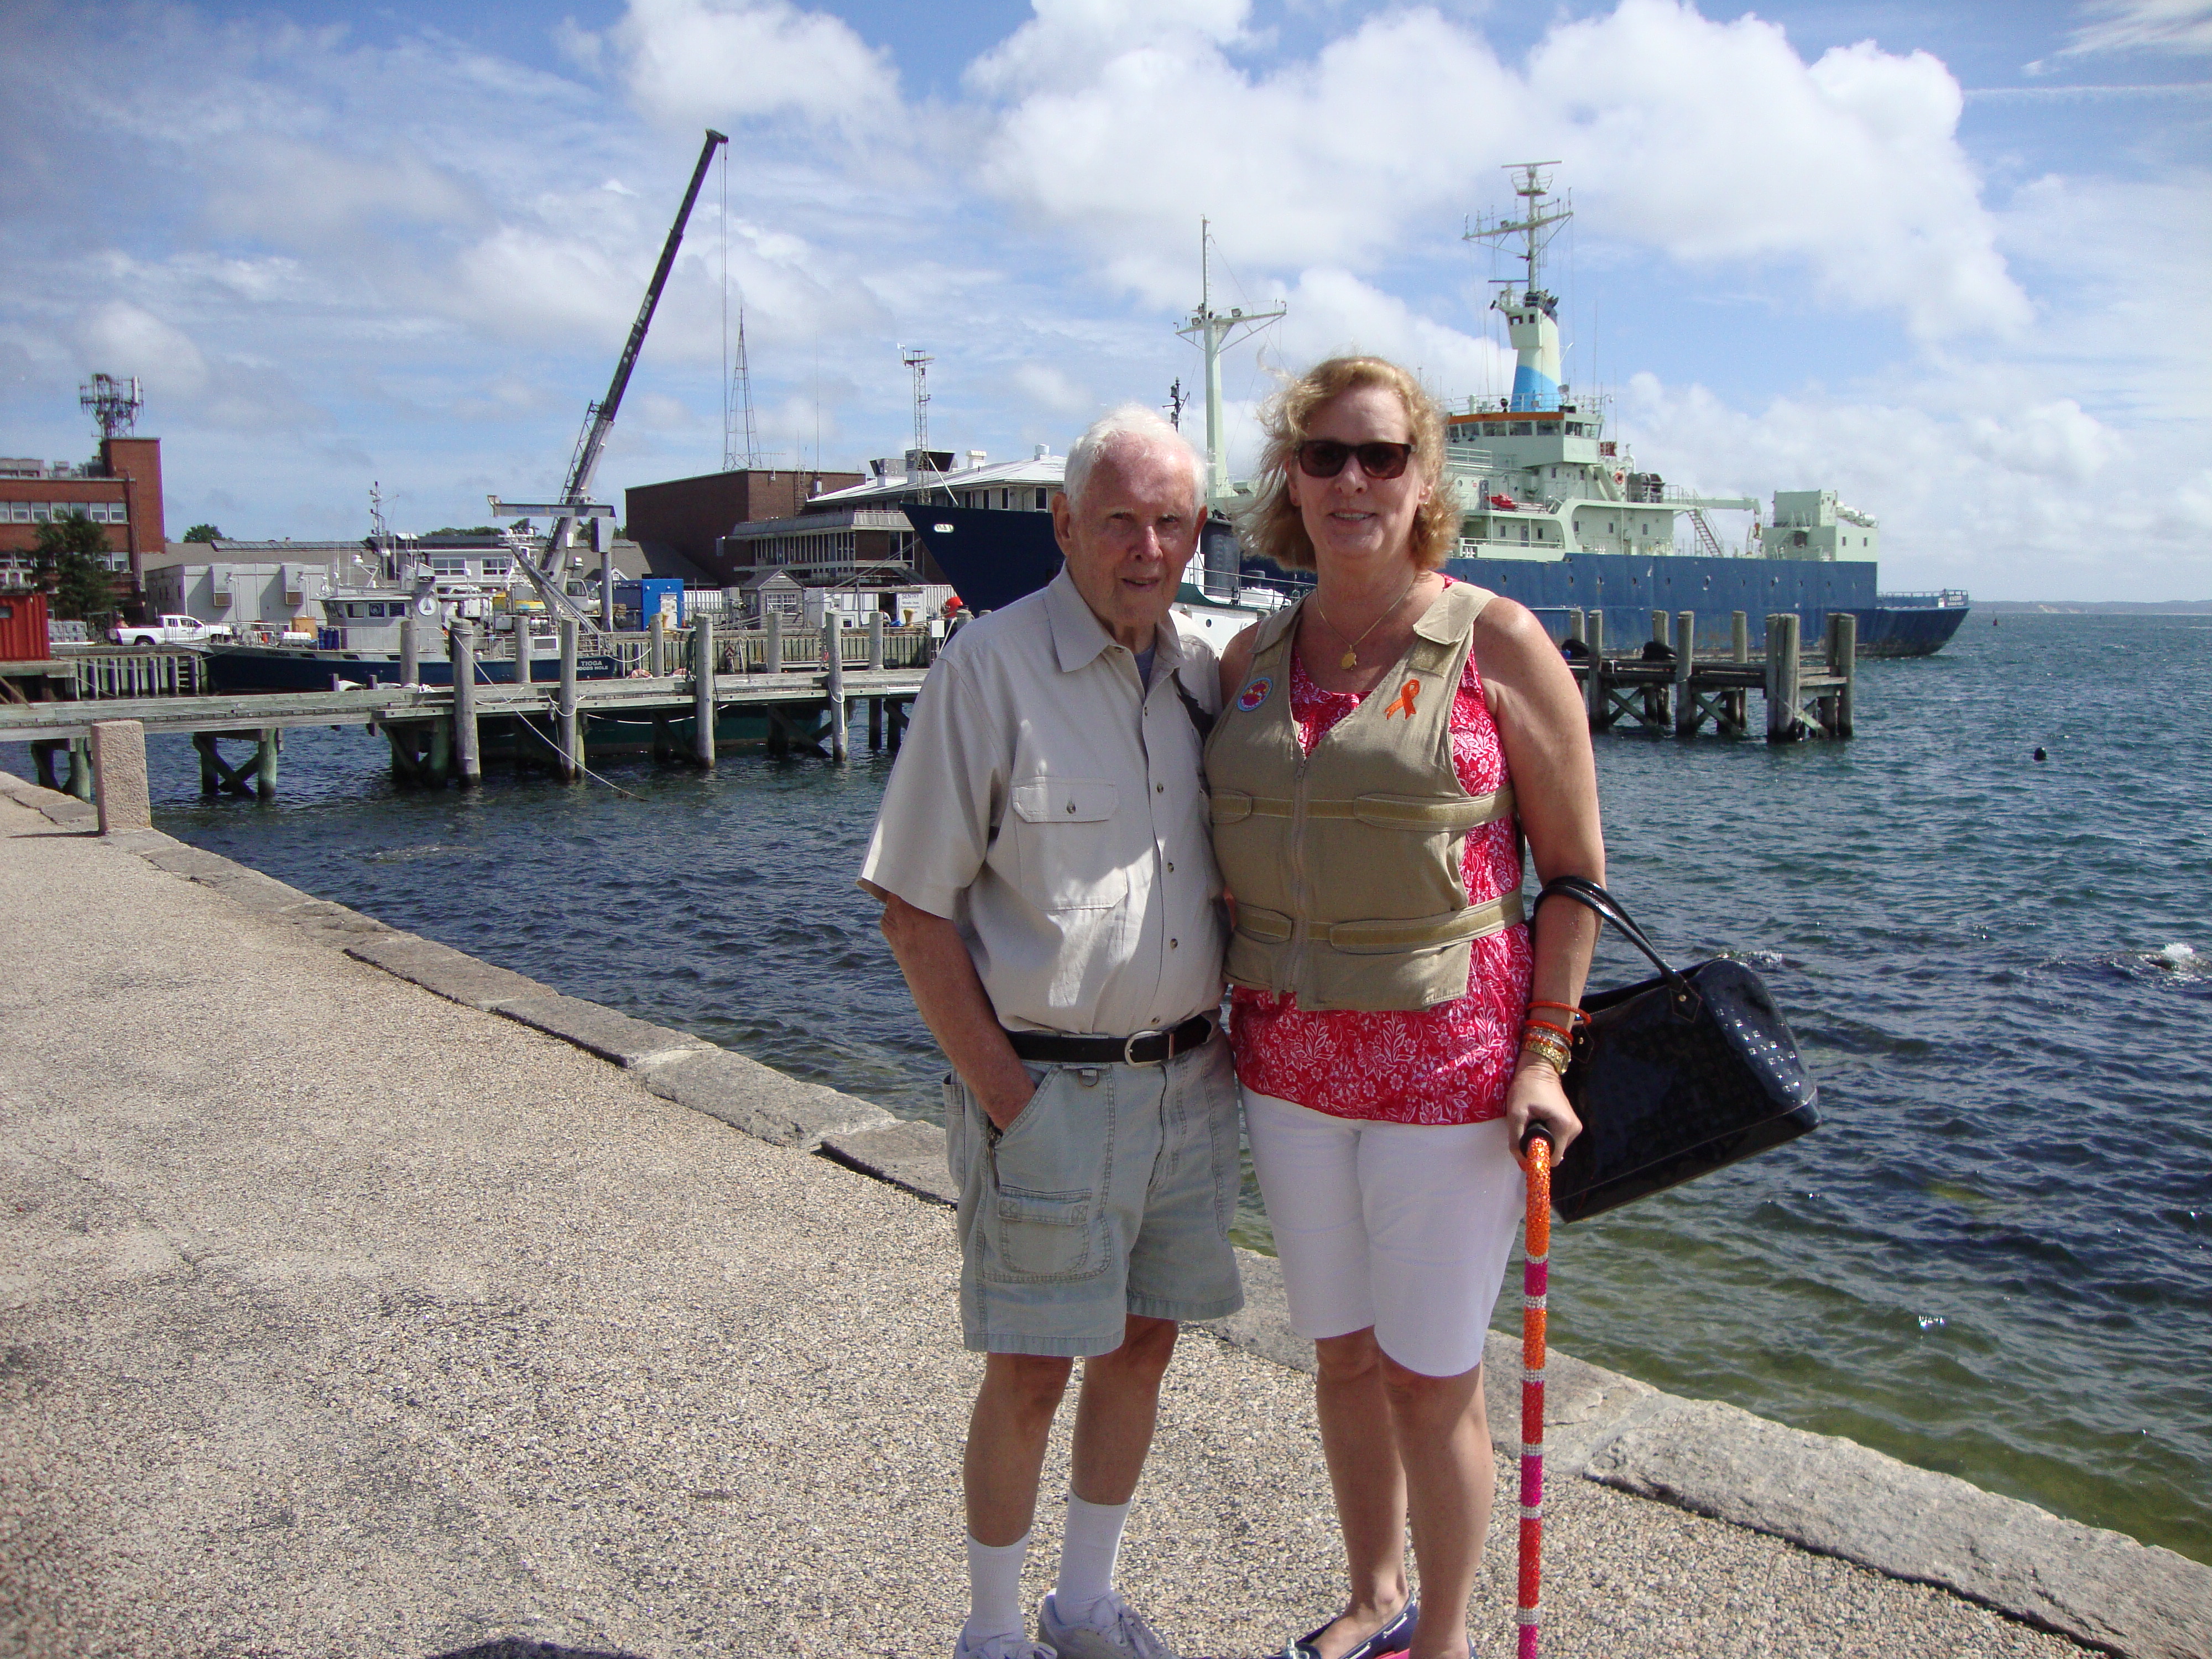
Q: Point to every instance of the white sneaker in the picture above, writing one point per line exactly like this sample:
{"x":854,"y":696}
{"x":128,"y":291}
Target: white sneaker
{"x":1125,"y":1636}
{"x":1000,"y":1647}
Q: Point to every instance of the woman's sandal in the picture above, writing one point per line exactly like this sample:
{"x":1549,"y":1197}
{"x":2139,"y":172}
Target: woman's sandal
{"x":1396,"y":1637}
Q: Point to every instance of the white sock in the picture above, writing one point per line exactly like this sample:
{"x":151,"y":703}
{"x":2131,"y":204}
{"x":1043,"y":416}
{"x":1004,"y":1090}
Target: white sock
{"x":1086,"y":1557}
{"x":994,"y":1590}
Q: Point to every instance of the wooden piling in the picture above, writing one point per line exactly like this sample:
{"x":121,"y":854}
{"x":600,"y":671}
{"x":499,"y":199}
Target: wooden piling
{"x":467,"y":750}
{"x":265,"y":747}
{"x":702,"y":689}
{"x":410,"y":653}
{"x":875,"y":724}
{"x":1661,"y":625}
{"x":656,"y":645}
{"x":1687,"y":720}
{"x":1738,"y":636}
{"x":875,"y":642}
{"x":568,"y":727}
{"x":833,"y":647}
{"x":1593,"y":686}
{"x":1782,"y":678}
{"x":896,"y":719}
{"x":772,"y":651}
{"x":1843,"y":662}
{"x":210,"y":771}
{"x":1575,"y":625}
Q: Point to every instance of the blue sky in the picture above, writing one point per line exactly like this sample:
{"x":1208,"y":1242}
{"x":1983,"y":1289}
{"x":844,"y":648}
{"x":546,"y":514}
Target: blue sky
{"x":1952,"y":261}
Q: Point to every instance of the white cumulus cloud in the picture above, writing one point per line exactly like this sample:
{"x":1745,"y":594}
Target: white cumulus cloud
{"x":1711,"y":141}
{"x":123,"y":338}
{"x":706,"y":61}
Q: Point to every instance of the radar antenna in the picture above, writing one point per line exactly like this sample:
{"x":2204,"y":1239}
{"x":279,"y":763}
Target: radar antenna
{"x":112,"y":401}
{"x":1213,"y":330}
{"x":1533,"y":316}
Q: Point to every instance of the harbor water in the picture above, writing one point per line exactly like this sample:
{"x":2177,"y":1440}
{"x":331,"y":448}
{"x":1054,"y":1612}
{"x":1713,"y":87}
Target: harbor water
{"x":1994,"y":1259}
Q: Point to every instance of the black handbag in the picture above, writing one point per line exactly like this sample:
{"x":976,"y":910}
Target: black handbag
{"x":1672,"y":1077}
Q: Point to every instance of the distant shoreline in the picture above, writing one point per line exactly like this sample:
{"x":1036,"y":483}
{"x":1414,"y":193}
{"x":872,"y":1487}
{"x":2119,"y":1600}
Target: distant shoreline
{"x":2100,"y":607}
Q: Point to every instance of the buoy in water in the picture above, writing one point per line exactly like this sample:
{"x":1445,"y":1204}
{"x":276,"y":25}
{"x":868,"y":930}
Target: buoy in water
{"x":2039,"y":755}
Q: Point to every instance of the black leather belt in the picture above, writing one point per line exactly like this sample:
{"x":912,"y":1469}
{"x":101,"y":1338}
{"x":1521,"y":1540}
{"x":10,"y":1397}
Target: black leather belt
{"x":1144,"y":1048}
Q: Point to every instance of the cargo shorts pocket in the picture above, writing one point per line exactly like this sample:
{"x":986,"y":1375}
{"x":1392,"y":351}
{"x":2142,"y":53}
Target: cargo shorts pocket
{"x":1050,"y":1171}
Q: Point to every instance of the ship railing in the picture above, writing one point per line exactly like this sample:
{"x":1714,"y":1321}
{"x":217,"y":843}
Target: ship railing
{"x":1941,"y":598}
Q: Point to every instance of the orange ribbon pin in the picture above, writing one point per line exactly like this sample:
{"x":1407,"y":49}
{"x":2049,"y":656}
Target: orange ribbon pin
{"x":1403,"y":703}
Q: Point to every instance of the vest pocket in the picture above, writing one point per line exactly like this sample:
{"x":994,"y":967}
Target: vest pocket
{"x":1064,"y":841}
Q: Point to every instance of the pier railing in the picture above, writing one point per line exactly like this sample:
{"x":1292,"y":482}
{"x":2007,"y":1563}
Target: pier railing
{"x":137,"y":673}
{"x":749,"y":651}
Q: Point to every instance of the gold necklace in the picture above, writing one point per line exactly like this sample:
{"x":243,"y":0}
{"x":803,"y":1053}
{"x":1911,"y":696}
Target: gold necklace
{"x":1351,"y":657}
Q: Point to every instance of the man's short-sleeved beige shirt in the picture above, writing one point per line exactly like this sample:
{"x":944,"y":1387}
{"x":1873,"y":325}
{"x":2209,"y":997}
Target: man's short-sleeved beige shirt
{"x":1055,"y":810}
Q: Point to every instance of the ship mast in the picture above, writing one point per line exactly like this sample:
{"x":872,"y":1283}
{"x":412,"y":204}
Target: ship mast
{"x":1213,"y":330}
{"x":1532,"y":316}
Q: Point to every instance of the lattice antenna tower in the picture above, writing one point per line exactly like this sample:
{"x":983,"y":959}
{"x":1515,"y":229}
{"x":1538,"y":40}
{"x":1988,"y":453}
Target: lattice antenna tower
{"x":740,"y":407}
{"x":919,"y":361}
{"x":113,"y":403}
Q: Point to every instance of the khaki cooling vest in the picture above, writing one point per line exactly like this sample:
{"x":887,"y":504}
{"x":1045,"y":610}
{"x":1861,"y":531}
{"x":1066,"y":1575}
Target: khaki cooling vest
{"x":1345,"y":864}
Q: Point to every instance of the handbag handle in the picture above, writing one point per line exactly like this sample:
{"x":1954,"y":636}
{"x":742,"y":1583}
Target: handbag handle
{"x":1588,"y":893}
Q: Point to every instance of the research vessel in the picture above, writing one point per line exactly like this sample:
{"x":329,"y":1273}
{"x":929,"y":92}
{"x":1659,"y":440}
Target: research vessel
{"x":1556,"y":514}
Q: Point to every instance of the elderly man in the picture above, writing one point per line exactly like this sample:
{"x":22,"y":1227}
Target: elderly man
{"x":1048,"y":887}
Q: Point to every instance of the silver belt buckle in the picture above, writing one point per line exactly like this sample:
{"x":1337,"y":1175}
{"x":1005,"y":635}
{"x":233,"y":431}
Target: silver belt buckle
{"x":1129,"y":1049}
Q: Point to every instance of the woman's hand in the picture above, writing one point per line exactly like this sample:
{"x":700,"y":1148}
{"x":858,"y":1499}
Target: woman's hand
{"x":1536,"y":1096}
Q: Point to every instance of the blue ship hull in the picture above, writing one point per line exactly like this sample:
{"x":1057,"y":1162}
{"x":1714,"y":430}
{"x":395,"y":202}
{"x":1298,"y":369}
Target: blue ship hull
{"x":993,"y":557}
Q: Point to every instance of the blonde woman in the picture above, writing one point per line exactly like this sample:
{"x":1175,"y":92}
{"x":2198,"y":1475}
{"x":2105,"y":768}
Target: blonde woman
{"x":1385,"y":748}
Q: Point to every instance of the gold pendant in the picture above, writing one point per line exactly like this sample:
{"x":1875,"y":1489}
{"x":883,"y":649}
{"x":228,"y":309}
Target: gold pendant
{"x":1349,"y":659}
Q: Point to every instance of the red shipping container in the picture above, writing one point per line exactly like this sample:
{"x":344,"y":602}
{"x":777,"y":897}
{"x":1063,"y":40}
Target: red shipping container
{"x":23,"y":627}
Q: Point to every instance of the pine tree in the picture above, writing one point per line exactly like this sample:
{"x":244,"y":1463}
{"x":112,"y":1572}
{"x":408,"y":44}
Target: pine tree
{"x":72,"y":553}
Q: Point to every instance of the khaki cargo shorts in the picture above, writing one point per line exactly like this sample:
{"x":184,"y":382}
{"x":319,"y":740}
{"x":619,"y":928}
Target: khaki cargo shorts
{"x":1111,"y":1194}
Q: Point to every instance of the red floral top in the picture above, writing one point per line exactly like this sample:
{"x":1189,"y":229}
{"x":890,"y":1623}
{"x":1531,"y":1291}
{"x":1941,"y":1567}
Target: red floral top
{"x":1448,"y":1064}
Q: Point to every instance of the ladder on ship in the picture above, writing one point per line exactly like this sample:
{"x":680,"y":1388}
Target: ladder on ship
{"x":1708,"y":543}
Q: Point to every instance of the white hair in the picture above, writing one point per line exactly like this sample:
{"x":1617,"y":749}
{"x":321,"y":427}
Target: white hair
{"x":1131,"y":422}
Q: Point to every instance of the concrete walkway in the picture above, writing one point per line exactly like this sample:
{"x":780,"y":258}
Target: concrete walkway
{"x":339,"y":1318}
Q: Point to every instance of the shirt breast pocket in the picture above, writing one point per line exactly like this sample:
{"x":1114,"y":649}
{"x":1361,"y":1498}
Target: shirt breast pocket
{"x":1065,"y":834}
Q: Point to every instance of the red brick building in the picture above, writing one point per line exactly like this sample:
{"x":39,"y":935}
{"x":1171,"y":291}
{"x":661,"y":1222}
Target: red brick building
{"x":691,"y":516}
{"x":120,"y":492}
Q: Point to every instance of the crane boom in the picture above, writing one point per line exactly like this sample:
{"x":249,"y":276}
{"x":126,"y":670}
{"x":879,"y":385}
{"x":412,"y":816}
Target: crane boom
{"x":599,"y":417}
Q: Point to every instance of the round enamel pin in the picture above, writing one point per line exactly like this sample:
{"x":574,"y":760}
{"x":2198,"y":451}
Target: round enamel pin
{"x":1255,"y":694}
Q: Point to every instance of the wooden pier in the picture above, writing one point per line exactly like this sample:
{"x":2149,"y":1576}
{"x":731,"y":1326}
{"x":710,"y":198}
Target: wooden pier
{"x":1665,"y":686}
{"x":443,"y":734}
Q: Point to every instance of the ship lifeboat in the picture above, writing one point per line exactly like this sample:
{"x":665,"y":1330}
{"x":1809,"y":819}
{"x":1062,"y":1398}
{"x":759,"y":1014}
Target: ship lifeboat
{"x":1506,"y":502}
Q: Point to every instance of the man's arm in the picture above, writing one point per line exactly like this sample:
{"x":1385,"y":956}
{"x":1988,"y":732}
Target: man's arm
{"x":942,"y":977}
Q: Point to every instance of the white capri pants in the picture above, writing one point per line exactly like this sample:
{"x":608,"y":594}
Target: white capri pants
{"x":1403,"y":1226}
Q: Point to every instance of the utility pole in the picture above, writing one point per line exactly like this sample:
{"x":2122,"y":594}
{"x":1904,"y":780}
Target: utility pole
{"x":1213,"y":330}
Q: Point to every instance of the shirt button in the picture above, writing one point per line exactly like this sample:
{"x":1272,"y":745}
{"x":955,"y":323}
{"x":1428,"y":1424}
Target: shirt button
{"x":1172,"y":869}
{"x":1174,"y":944}
{"x":1158,"y":789}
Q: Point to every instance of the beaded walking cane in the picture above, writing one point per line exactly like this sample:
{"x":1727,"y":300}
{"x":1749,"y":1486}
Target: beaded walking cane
{"x":1536,"y":1273}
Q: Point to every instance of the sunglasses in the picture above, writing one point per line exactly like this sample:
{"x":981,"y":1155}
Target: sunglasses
{"x":1324,"y":458}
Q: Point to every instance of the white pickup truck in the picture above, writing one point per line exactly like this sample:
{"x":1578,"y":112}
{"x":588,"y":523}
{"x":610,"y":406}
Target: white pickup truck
{"x":170,"y":630}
